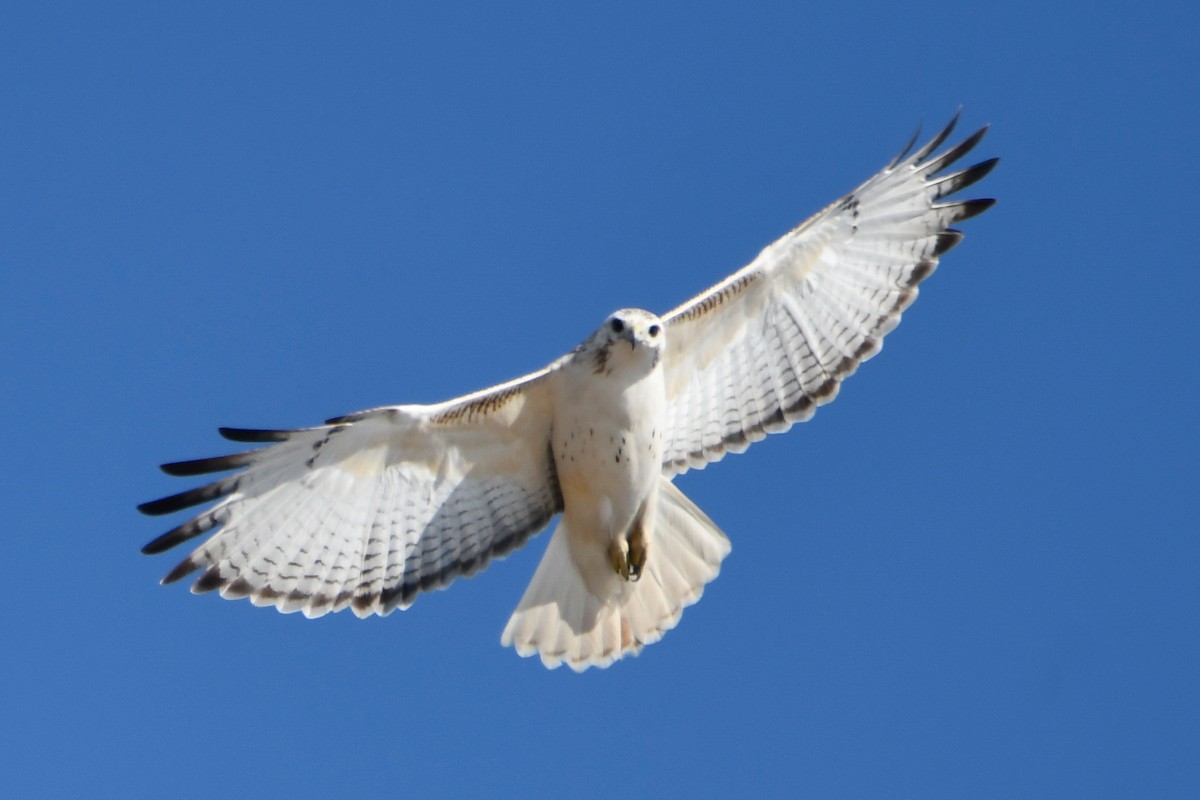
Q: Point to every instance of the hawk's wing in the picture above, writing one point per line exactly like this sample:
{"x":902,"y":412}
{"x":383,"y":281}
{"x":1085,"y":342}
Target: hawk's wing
{"x":372,"y":508}
{"x":766,"y":346}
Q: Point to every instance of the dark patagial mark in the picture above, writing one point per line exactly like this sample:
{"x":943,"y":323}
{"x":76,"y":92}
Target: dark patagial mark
{"x":715,"y":298}
{"x":600,"y":359}
{"x":479,"y":406}
{"x":317,"y":445}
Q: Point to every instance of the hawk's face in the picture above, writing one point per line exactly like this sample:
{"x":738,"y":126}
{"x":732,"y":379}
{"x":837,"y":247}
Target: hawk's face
{"x":630,"y":339}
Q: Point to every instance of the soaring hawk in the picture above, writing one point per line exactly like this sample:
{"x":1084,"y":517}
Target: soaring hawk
{"x":370,"y":509}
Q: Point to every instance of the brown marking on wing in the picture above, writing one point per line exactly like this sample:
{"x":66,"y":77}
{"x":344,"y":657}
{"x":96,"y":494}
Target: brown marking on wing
{"x":704,"y":304}
{"x":479,"y":406}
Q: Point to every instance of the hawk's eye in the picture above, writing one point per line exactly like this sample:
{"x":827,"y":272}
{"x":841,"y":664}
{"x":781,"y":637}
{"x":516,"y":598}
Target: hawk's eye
{"x":653,"y":330}
{"x":617,"y":325}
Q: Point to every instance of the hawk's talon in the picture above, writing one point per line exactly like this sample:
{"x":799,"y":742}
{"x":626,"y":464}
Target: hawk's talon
{"x":616,"y":557}
{"x":637,"y":553}
{"x":628,"y":555}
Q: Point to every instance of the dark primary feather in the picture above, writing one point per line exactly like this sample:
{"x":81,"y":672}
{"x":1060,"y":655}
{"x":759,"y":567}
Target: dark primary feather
{"x":203,"y":466}
{"x":950,"y":156}
{"x":928,"y":147}
{"x":909,"y":145}
{"x":971,"y":208}
{"x":946,"y":240}
{"x":192,"y":497}
{"x":188,"y":530}
{"x":936,"y":142}
{"x":254,"y":436}
{"x":949,"y":184}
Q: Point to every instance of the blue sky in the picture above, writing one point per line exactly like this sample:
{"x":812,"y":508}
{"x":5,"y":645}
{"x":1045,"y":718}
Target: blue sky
{"x":974,"y":575}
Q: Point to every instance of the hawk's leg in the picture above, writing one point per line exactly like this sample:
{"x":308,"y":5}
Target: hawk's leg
{"x":636,"y":557}
{"x":616,"y":557}
{"x":627,"y":554}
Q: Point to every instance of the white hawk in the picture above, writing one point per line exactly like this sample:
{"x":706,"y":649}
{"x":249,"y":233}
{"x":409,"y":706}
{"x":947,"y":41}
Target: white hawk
{"x":370,"y":509}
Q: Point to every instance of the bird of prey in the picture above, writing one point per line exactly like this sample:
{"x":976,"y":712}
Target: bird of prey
{"x":370,"y":509}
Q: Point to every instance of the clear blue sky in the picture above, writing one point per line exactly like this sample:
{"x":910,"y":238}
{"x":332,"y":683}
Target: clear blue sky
{"x":974,"y":575}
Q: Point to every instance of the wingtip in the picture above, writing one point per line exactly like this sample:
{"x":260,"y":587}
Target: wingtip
{"x":983,"y":168}
{"x":912,"y":140}
{"x":973,"y":208}
{"x":936,"y":142}
{"x":163,"y":505}
{"x":933,"y":144}
{"x":254,"y":435}
{"x":181,"y":570}
{"x":204,"y":466}
{"x":161,"y":544}
{"x":947,"y":240}
{"x":155,"y":547}
{"x":192,"y":497}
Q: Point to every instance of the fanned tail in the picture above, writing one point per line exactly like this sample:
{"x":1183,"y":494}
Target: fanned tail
{"x":564,"y":621}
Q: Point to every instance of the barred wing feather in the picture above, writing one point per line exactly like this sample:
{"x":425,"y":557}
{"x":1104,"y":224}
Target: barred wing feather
{"x":763,"y":348}
{"x":373,"y":508}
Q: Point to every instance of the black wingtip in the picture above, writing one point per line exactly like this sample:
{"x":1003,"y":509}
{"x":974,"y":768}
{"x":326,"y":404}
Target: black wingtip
{"x":936,"y":142}
{"x":173,"y":537}
{"x":933,"y":144}
{"x":188,"y":530}
{"x":182,"y":570}
{"x":203,"y":466}
{"x":907,"y":147}
{"x":946,"y":185}
{"x":160,"y":545}
{"x":973,"y":208}
{"x":946,"y":240}
{"x":156,"y":508}
{"x":952,"y":155}
{"x":976,"y":173}
{"x":253,"y":435}
{"x":192,"y":497}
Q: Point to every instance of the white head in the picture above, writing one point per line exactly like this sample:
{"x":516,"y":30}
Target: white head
{"x":629,"y":338}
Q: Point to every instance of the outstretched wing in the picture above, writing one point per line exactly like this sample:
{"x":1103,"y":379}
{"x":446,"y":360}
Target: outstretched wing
{"x":766,"y":346}
{"x":372,"y":508}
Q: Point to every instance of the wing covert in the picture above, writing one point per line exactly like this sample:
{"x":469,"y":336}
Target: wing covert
{"x":772,"y":342}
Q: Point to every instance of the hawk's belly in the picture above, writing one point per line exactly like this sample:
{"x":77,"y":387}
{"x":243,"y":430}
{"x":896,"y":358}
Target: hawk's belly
{"x":608,"y":452}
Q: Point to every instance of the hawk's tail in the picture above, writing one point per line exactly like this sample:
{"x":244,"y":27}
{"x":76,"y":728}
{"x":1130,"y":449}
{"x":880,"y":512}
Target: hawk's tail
{"x":563,"y":620}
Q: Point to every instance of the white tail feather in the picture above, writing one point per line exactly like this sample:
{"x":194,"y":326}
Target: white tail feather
{"x":563,"y":620}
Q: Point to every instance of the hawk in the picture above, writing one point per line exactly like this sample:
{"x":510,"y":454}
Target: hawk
{"x":370,"y":509}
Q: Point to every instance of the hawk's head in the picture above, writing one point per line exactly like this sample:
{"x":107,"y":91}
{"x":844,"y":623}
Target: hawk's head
{"x":629,"y":339}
